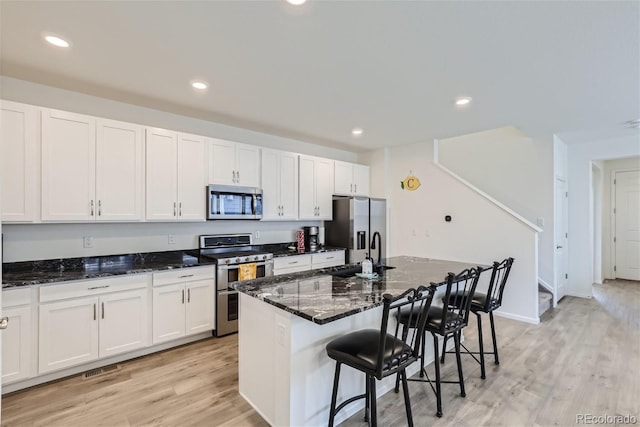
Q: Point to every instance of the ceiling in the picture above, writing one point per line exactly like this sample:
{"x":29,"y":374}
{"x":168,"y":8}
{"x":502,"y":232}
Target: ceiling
{"x":314,"y":72}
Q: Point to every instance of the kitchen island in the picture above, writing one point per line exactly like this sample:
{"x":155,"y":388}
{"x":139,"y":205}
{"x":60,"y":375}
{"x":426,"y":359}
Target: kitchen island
{"x":286,"y":321}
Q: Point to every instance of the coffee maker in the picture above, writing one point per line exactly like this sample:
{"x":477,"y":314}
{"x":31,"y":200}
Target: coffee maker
{"x":311,"y":238}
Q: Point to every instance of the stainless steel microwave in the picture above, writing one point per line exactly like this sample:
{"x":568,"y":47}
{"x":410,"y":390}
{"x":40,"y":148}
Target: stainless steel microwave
{"x":231,"y":202}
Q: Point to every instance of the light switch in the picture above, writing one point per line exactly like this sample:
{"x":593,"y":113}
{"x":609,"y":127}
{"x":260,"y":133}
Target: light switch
{"x":540,"y":221}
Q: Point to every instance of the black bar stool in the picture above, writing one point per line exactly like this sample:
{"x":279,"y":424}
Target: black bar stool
{"x":380,"y":353}
{"x":486,"y":303}
{"x":445,"y":321}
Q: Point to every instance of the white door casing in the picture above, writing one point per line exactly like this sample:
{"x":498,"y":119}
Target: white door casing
{"x":561,"y":237}
{"x":627,"y":229}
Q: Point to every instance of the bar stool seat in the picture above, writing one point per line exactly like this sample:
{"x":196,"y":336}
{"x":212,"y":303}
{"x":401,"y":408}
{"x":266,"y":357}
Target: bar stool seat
{"x":360,"y":350}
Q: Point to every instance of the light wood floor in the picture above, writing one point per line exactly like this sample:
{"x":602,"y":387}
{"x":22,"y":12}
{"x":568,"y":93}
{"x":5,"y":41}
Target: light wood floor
{"x":584,"y":358}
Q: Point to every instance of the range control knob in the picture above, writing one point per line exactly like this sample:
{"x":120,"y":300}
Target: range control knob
{"x":238,"y":260}
{"x":254,"y":258}
{"x":264,"y":257}
{"x":226,"y":261}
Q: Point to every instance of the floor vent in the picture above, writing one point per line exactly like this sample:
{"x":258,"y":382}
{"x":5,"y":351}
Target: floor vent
{"x":100,"y":371}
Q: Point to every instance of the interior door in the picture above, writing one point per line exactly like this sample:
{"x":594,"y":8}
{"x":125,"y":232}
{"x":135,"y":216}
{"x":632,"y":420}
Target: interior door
{"x":561,"y":237}
{"x":627,"y":217}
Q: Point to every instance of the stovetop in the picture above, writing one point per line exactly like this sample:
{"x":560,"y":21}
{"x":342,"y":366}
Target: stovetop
{"x":231,"y":249}
{"x":237,"y":256}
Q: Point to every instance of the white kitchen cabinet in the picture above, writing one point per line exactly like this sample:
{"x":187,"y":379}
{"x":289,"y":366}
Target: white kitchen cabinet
{"x":232,"y":163}
{"x":183,"y":303}
{"x":68,"y":333}
{"x":279,"y":185}
{"x":327,"y":259}
{"x":19,"y":161}
{"x":351,"y":179}
{"x":315,"y":188}
{"x":86,"y":320}
{"x":176,"y":176}
{"x":68,"y":166}
{"x":119,"y":171}
{"x":16,"y":339}
{"x":291,"y":264}
{"x":92,"y":169}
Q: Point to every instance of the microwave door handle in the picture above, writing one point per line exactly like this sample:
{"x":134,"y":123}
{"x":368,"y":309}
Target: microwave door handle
{"x":254,"y":204}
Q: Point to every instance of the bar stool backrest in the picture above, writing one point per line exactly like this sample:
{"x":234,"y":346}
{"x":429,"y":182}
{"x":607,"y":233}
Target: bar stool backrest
{"x":456,"y":316}
{"x":499,"y":275}
{"x":392,"y":354}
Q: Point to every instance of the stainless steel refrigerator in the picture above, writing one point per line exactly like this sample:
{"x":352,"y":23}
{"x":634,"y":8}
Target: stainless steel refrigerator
{"x":355,"y":221}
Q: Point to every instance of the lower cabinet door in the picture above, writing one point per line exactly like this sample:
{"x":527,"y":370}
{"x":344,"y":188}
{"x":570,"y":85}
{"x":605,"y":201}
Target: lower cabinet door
{"x":124,"y":322}
{"x":16,"y":345}
{"x":168,"y":312}
{"x":200,"y":314}
{"x":68,"y":334}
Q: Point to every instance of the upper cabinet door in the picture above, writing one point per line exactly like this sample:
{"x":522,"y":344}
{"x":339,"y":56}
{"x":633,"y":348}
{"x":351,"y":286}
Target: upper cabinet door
{"x":19,"y":164}
{"x":222,"y":162}
{"x":192,"y":177}
{"x":68,"y":166}
{"x":119,"y":171}
{"x":306,"y":193}
{"x":162,"y":175}
{"x":343,"y":178}
{"x":324,"y":188}
{"x":271,"y":206}
{"x":360,"y":180}
{"x":247,"y":165}
{"x":288,"y":167}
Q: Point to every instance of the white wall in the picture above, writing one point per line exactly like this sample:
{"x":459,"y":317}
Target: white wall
{"x":581,"y":239}
{"x":480,"y":232}
{"x":608,"y":196}
{"x":513,"y":169}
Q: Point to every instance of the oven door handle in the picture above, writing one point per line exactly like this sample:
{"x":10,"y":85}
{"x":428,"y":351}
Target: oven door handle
{"x":227,"y":292}
{"x":226,"y":267}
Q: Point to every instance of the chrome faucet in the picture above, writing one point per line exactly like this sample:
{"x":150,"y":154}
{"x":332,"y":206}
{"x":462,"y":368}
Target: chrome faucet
{"x":373,"y":246}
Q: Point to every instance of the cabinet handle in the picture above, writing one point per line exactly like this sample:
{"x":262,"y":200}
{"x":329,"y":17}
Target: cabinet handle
{"x":293,"y":262}
{"x":94,"y":312}
{"x":235,"y":180}
{"x":4,"y":323}
{"x":103,"y":310}
{"x":238,"y":173}
{"x":91,"y":207}
{"x":97,"y":287}
{"x":188,"y":295}
{"x":99,"y":207}
{"x":330,"y":257}
{"x":174,"y":208}
{"x":186,"y":275}
{"x":180,"y":209}
{"x":350,"y":188}
{"x":183,"y":296}
{"x":355,"y":188}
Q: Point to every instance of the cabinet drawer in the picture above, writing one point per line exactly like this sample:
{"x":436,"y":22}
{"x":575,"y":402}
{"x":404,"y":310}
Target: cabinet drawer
{"x":15,"y":297}
{"x":292,"y":261}
{"x":183,"y":275}
{"x":328,"y":258}
{"x":84,"y":288}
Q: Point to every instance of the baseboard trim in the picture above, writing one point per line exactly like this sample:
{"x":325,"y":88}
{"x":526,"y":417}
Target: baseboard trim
{"x":532,"y":320}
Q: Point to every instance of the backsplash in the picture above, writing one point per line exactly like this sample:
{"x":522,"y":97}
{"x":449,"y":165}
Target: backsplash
{"x":49,"y":241}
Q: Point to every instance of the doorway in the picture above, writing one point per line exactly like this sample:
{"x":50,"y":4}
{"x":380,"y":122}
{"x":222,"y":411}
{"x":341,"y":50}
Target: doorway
{"x":627,"y":225}
{"x":561,"y":240}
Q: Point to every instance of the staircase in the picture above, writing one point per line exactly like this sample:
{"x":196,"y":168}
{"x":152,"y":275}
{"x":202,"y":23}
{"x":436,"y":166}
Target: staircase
{"x":545,"y":300}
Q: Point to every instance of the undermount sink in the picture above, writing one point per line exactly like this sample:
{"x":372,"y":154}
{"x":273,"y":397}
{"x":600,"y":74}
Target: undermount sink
{"x":351,"y":272}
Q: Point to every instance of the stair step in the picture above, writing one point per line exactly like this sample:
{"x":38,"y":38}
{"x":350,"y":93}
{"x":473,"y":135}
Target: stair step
{"x":545,"y":300}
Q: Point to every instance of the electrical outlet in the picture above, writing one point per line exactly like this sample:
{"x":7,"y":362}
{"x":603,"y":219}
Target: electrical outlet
{"x":172,"y":239}
{"x":87,"y":242}
{"x":257,"y":234}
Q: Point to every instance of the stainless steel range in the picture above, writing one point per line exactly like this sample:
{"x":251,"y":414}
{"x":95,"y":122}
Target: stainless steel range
{"x":230,"y":252}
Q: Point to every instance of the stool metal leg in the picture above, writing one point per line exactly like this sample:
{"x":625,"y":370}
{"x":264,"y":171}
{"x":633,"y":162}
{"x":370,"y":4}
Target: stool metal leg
{"x":367,"y":409}
{"x":437,"y":366}
{"x":456,"y":340}
{"x":373,"y":419}
{"x":424,"y":339}
{"x":444,"y":348}
{"x":407,"y":400}
{"x":493,"y":336}
{"x":334,"y":395}
{"x":482,"y":372}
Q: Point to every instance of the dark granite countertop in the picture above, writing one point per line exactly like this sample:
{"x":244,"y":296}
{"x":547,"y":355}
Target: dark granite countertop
{"x":282,"y":249}
{"x":322,"y":296}
{"x":59,"y":270}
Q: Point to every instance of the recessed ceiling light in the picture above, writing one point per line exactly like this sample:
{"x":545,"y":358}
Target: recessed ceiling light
{"x":463,"y":101}
{"x":56,"y":41}
{"x":199,"y":84}
{"x":296,"y":2}
{"x":357,"y":132}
